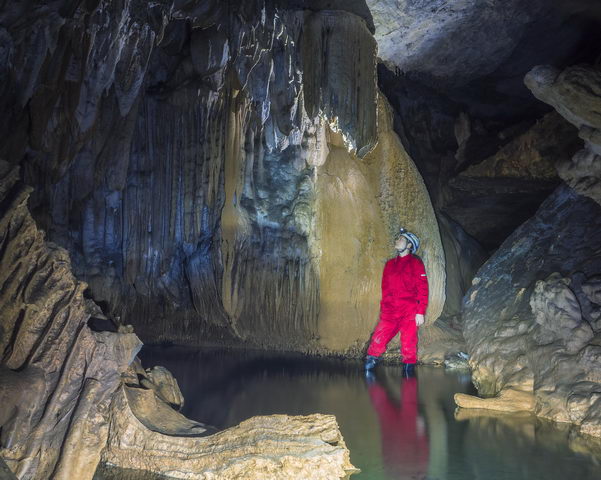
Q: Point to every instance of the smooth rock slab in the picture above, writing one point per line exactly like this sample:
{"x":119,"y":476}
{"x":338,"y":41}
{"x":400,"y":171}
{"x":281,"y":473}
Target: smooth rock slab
{"x":266,"y":447}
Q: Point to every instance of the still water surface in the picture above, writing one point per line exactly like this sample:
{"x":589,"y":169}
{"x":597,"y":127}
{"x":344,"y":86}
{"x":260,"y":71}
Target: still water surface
{"x":395,"y":427}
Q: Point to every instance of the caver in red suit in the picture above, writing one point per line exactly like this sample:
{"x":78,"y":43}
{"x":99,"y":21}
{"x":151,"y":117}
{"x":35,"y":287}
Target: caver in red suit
{"x":405,"y":448}
{"x":404,"y":295}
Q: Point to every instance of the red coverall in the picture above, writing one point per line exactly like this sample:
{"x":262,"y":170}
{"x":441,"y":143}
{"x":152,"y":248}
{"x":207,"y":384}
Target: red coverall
{"x":404,"y":294}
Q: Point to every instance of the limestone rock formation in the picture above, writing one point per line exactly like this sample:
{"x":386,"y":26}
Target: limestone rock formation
{"x":576,"y":94}
{"x":58,"y":375}
{"x":278,"y":446}
{"x":360,"y":205}
{"x":452,"y":39}
{"x":63,"y":385}
{"x":529,"y":316}
{"x":508,"y":400}
{"x":164,"y":385}
{"x":176,"y":167}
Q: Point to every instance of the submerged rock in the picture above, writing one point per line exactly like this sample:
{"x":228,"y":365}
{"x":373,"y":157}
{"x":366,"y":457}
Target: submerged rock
{"x":164,"y":384}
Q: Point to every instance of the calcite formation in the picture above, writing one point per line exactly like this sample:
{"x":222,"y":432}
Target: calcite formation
{"x":360,"y":205}
{"x":530,"y":317}
{"x":185,"y":171}
{"x":174,"y":154}
{"x":72,"y":396}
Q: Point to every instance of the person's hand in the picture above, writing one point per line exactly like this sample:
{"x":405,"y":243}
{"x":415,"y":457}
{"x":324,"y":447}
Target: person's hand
{"x":419,"y":319}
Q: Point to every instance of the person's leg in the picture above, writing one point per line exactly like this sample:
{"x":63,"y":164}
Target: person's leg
{"x":386,"y":329}
{"x":409,"y":339}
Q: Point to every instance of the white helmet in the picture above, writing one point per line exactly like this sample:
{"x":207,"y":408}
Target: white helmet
{"x":412,"y":239}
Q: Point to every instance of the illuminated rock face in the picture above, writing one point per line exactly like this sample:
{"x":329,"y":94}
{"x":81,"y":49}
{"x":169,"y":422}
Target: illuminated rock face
{"x":531,"y":317}
{"x":360,"y":205}
{"x":65,"y":403}
{"x":183,"y":169}
{"x":342,"y":216}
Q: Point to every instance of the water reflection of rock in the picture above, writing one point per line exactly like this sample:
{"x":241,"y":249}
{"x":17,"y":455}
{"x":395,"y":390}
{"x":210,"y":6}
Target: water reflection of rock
{"x":382,"y":427}
{"x":496,"y":440}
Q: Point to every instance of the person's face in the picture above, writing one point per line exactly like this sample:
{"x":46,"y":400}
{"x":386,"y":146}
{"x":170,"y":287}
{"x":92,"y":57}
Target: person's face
{"x":401,"y":243}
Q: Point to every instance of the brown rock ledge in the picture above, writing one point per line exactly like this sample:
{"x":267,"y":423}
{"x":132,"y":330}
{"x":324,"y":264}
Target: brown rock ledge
{"x":264,"y":447}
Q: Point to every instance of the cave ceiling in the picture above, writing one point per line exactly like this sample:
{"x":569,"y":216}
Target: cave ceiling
{"x":453,"y":71}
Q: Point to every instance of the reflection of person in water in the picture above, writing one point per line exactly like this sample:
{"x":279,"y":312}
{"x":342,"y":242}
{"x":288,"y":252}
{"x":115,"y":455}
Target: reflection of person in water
{"x":403,"y":430}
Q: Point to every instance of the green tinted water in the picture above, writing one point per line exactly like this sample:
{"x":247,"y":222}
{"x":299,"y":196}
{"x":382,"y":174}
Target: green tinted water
{"x":395,"y":428}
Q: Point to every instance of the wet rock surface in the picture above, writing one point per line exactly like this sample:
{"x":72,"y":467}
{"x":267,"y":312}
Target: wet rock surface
{"x":277,"y":446}
{"x":523,"y":316}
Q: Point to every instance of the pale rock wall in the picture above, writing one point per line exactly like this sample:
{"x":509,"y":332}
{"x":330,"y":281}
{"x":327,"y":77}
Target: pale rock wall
{"x":360,"y":205}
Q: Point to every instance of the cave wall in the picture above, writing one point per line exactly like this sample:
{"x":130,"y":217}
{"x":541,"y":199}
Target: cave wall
{"x":57,"y":376}
{"x":176,"y":152}
{"x":531,"y":317}
{"x":360,"y":205}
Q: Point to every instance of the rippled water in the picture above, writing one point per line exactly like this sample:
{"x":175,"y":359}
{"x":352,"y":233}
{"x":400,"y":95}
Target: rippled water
{"x":395,"y":428}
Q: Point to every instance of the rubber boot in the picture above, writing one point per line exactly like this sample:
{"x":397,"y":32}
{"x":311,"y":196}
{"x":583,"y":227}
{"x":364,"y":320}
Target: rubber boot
{"x":371,"y":362}
{"x":408,"y":370}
